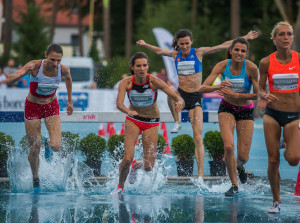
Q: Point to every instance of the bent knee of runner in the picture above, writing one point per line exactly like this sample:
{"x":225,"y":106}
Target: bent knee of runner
{"x":55,"y":146}
{"x":198,"y":140}
{"x":274,"y":163}
{"x":229,"y":148}
{"x":292,"y":160}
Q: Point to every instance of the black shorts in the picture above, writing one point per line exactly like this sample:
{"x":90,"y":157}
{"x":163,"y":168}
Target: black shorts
{"x":281,"y":117}
{"x":239,"y":112}
{"x":191,"y":100}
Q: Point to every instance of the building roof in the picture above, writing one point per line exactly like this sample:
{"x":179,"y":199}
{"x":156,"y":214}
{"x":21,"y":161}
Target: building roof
{"x":66,"y":18}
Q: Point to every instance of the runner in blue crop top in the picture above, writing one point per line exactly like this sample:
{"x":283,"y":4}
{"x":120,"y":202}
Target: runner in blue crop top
{"x":189,"y":81}
{"x":240,"y":83}
{"x":188,"y":65}
{"x":236,"y":108}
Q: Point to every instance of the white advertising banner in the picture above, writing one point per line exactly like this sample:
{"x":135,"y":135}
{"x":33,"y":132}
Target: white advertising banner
{"x":101,"y":100}
{"x":164,"y":39}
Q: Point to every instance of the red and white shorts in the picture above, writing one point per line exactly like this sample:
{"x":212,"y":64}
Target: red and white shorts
{"x":144,"y":123}
{"x":35,"y":111}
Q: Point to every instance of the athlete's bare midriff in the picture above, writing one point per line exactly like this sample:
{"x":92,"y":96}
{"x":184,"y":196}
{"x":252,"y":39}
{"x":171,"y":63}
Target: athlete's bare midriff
{"x":150,"y":111}
{"x":288,"y":102}
{"x":41,"y":101}
{"x":190,"y":83}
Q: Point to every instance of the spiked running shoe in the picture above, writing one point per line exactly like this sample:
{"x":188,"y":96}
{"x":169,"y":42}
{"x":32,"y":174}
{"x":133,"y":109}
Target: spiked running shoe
{"x":133,"y":174}
{"x":242,"y":175}
{"x":48,"y":151}
{"x":275,"y":208}
{"x":36,"y":186}
{"x":117,"y":191}
{"x":234,"y":190}
{"x":176,"y":127}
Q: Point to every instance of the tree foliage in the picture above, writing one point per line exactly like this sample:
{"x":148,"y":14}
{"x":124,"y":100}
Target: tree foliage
{"x":33,"y":39}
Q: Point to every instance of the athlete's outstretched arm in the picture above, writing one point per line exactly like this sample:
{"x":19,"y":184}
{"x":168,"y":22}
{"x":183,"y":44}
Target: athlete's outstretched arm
{"x":252,"y":34}
{"x":155,"y":49}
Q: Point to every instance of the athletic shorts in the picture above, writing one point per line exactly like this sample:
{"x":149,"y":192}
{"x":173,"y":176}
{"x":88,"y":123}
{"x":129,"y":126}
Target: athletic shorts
{"x":239,"y":112}
{"x":35,"y":111}
{"x":143,"y":123}
{"x":281,"y":117}
{"x":191,"y":100}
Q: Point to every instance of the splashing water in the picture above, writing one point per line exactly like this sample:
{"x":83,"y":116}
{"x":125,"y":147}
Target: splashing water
{"x":146,"y":182}
{"x":63,"y":173}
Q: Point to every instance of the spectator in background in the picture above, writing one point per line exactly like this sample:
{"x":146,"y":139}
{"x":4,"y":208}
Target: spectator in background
{"x":162,"y":74}
{"x":94,"y":85}
{"x":2,"y":78}
{"x":23,"y":82}
{"x":116,"y":86}
{"x":9,"y":70}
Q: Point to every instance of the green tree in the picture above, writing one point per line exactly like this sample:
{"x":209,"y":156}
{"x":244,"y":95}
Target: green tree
{"x":33,"y":39}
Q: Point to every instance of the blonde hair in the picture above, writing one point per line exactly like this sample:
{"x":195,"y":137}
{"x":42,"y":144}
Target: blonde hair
{"x":273,"y":33}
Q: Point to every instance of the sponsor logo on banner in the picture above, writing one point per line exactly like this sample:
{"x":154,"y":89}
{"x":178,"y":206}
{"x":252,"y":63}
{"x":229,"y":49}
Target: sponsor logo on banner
{"x":80,"y":101}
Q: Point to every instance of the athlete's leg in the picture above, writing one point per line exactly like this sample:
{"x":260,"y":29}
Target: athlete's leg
{"x":244,"y":130}
{"x":53,"y":125}
{"x":227,"y":123}
{"x":33,"y":133}
{"x":149,"y":139}
{"x":196,"y":118}
{"x":171,"y":104}
{"x":291,"y":134}
{"x":131,"y":135}
{"x":272,"y":131}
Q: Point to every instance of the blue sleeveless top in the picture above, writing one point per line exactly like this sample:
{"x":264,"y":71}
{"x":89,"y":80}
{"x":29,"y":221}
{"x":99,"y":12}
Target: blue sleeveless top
{"x":189,"y":65}
{"x":240,"y":83}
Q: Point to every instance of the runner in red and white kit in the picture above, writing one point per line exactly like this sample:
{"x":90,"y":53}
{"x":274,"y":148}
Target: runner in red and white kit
{"x":281,"y":70}
{"x":142,"y":115}
{"x":41,"y":103}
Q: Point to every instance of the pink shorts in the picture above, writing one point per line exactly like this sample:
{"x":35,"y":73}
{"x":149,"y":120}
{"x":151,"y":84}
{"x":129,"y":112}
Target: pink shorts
{"x":144,"y":123}
{"x":35,"y":111}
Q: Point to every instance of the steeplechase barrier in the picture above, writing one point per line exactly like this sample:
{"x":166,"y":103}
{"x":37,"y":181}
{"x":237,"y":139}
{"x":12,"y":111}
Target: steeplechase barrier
{"x":87,"y":116}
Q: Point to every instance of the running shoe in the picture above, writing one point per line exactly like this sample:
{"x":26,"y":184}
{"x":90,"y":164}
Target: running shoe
{"x":36,"y":190}
{"x":242,"y":174}
{"x":176,"y":127}
{"x":36,"y":186}
{"x":234,"y":190}
{"x":133,"y":173}
{"x":48,"y":151}
{"x":117,"y":191}
{"x":275,"y":208}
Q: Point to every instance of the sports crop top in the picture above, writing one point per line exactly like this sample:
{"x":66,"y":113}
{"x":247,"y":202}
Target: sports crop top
{"x":189,"y":65}
{"x":42,"y":86}
{"x":284,"y":78}
{"x":142,"y":95}
{"x":240,"y":83}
